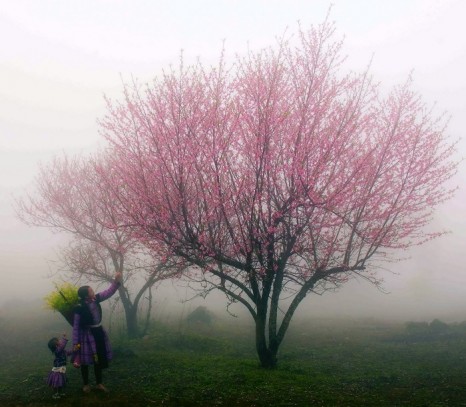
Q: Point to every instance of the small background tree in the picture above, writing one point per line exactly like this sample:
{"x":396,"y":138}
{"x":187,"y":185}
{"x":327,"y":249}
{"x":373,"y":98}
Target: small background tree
{"x":71,"y":197}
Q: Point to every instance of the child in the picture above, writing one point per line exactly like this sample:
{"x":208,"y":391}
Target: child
{"x":57,"y":377}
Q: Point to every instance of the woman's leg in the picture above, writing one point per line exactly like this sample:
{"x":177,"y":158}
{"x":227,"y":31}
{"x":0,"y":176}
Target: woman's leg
{"x":98,"y":373}
{"x":98,"y":378}
{"x":85,"y":374}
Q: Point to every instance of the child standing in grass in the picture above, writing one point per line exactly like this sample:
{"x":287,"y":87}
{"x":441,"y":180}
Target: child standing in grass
{"x":57,"y":376}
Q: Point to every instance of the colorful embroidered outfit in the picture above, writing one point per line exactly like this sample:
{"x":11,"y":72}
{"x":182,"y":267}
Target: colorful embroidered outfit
{"x":92,"y":338}
{"x":57,"y":376}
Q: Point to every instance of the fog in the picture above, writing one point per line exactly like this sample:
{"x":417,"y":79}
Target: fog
{"x":58,"y":59}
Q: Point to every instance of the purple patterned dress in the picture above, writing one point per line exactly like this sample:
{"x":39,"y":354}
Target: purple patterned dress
{"x":93,"y":339}
{"x":57,"y":376}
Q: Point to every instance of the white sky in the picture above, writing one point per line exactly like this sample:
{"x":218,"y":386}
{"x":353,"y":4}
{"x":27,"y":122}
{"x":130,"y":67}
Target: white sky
{"x":58,"y":59}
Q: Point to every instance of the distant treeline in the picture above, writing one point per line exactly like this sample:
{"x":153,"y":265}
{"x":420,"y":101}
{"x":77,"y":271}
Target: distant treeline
{"x":431,"y":330}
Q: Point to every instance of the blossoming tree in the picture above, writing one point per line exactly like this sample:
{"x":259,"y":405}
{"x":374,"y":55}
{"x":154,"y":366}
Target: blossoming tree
{"x":70,"y":196}
{"x":277,"y":176}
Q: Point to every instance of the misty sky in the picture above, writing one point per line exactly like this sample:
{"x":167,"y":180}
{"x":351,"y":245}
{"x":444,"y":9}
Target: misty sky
{"x":58,"y":59}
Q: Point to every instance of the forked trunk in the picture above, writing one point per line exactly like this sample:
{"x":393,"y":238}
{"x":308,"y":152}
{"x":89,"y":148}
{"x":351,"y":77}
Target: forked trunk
{"x":132,"y":329}
{"x":267,"y":356}
{"x":132,"y":324}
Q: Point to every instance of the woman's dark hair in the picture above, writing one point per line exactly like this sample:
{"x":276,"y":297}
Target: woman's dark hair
{"x":83,"y":309}
{"x":83,"y":292}
{"x":52,"y":344}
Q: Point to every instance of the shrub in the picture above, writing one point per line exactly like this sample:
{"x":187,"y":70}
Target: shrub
{"x":417,"y":327}
{"x":438,"y":326}
{"x":200,"y":315}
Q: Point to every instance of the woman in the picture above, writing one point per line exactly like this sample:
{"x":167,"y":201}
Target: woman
{"x":90,"y":339}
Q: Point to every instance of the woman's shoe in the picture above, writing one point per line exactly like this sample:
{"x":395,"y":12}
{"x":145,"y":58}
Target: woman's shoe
{"x":101,"y":387}
{"x":86,"y":388}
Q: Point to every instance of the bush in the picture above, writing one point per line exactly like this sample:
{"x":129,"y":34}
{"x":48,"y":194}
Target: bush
{"x":426,"y":329}
{"x":417,"y":327}
{"x":200,"y":315}
{"x":438,"y":326}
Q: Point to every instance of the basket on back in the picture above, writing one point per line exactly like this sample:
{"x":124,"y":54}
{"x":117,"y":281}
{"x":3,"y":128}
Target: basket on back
{"x":64,"y":300}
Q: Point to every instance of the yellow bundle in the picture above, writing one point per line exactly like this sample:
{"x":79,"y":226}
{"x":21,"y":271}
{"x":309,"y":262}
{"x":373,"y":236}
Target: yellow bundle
{"x":63,"y":299}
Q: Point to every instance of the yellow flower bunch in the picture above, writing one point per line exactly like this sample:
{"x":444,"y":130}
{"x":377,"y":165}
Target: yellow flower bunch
{"x":63,"y":299}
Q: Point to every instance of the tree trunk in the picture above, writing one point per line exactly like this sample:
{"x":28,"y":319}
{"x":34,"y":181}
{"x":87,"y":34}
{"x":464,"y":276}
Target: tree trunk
{"x":132,"y":328}
{"x":132,"y":324}
{"x":149,"y":309}
{"x":267,"y":357}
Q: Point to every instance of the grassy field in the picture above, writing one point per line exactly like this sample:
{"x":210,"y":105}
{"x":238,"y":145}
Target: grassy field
{"x":322,"y":363}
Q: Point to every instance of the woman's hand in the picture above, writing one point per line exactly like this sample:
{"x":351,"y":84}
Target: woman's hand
{"x":118,"y":277}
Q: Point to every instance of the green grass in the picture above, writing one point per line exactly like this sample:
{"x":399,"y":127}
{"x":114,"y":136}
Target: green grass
{"x":355,"y":364}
